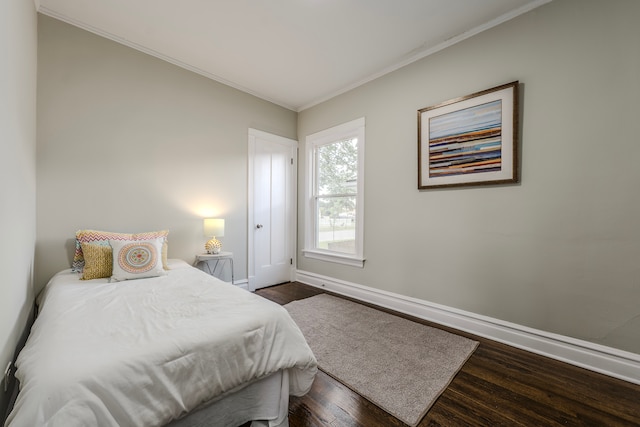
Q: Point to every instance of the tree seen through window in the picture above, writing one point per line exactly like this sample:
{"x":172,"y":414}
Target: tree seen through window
{"x":337,"y":178}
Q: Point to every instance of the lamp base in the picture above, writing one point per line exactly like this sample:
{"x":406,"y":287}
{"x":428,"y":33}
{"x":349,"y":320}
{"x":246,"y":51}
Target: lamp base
{"x":213,"y":246}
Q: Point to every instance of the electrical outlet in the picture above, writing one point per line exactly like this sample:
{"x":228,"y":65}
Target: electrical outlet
{"x":7,"y":376}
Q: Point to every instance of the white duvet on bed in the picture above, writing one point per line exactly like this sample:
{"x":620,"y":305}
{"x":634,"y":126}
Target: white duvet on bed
{"x":143,"y":352}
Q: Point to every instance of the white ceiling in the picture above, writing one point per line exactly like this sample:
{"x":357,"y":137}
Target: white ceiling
{"x":295,"y":53}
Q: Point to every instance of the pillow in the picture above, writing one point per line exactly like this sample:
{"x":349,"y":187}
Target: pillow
{"x":103,"y":237}
{"x":98,"y":261}
{"x":137,"y":259}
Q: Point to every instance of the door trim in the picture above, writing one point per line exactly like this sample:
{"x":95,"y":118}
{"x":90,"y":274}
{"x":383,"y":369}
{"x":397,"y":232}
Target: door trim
{"x":293,"y":144}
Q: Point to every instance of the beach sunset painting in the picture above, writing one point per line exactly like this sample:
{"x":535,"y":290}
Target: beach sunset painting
{"x":472,"y":140}
{"x":467,"y":141}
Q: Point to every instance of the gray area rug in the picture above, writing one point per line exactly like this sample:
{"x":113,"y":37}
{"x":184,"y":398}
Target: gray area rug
{"x":399,"y":365}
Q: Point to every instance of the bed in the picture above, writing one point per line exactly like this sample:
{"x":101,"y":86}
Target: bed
{"x":180,"y":349}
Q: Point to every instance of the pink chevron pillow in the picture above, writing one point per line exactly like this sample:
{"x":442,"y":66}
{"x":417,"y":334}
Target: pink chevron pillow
{"x":102,"y":238}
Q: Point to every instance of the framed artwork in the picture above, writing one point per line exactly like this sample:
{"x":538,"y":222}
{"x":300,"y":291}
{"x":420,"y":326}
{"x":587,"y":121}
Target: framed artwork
{"x":471,"y":140}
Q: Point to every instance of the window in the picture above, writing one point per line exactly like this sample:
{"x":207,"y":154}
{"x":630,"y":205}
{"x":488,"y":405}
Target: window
{"x":335,"y":196}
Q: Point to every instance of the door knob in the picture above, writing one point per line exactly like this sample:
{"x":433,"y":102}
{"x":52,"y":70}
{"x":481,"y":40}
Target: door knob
{"x":259,"y":226}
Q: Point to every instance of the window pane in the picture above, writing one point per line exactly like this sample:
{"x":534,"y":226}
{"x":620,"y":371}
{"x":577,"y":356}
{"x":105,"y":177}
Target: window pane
{"x":336,"y":229}
{"x":338,"y":167}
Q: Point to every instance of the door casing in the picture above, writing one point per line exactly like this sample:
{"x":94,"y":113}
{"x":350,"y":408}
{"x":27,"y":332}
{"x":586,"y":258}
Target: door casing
{"x":257,"y":137}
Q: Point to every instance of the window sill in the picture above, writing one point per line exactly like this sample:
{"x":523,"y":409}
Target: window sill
{"x":334,"y":257}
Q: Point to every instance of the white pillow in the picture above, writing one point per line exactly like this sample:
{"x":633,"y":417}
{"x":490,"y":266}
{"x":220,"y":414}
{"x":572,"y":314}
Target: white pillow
{"x":137,"y":259}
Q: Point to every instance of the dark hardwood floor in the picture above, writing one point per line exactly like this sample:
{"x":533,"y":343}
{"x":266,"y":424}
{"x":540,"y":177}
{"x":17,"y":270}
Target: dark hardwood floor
{"x":498,"y":386}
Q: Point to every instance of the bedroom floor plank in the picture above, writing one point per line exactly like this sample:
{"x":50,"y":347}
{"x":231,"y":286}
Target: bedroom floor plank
{"x":547,"y":384}
{"x":498,"y":386}
{"x":337,"y":403}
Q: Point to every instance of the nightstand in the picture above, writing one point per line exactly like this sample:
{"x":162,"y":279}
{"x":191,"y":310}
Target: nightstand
{"x":208,"y":259}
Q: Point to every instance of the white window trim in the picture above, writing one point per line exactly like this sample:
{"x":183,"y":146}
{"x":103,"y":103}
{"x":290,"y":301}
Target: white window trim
{"x":353,"y":128}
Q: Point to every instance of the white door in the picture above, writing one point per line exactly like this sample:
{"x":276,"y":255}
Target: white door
{"x":272,"y":208}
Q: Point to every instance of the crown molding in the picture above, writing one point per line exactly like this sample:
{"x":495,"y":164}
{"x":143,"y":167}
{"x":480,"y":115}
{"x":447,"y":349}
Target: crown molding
{"x":113,"y":37}
{"x":412,"y":57}
{"x":423,"y":53}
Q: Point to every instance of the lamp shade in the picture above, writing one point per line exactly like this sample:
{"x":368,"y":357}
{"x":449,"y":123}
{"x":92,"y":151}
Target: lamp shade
{"x":213,"y":227}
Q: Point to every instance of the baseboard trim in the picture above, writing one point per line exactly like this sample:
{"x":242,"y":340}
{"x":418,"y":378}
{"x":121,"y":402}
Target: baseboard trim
{"x":598,"y":358}
{"x":242,"y":283}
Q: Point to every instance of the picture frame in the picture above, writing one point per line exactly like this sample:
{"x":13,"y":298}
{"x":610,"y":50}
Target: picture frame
{"x":472,"y":140}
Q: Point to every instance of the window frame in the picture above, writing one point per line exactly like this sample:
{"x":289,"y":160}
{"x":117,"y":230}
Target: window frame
{"x":354,"y":128}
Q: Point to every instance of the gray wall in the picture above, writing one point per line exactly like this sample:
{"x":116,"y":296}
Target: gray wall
{"x":559,"y":252}
{"x":18,"y":50}
{"x":127,"y":142}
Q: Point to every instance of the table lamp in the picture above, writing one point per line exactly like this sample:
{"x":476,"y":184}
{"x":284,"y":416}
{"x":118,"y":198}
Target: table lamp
{"x":213,"y":227}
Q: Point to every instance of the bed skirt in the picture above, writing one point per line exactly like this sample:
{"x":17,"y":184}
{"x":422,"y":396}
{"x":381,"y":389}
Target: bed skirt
{"x":265,"y":402}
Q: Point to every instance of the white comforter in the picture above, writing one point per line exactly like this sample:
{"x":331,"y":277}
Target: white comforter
{"x":144,"y":352}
